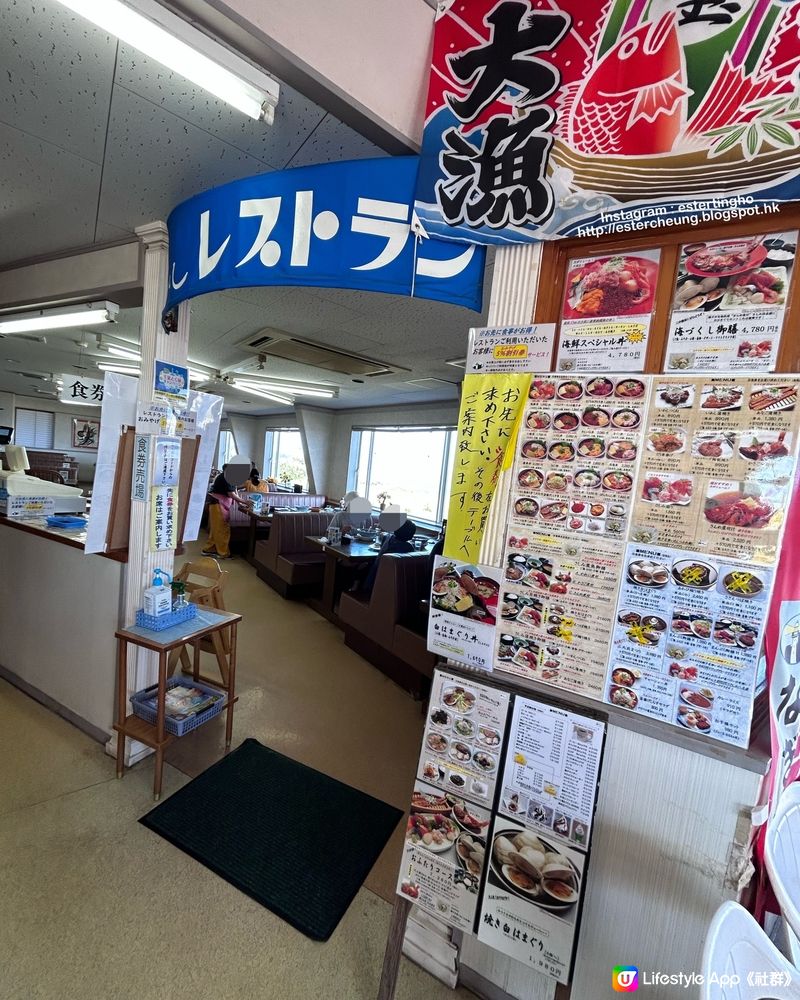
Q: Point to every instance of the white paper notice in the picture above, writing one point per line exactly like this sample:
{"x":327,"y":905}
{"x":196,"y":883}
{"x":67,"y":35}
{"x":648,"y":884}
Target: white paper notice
{"x":30,"y":506}
{"x":167,"y":464}
{"x":206,"y":411}
{"x":511,"y":348}
{"x":463,"y":620}
{"x":463,"y":737}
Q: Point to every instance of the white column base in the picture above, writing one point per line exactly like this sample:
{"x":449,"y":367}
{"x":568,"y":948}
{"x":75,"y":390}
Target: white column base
{"x":134,"y":750}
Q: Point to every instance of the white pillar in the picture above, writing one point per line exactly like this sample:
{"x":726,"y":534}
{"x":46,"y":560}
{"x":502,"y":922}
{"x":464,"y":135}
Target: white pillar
{"x":154,"y":343}
{"x":514,"y":284}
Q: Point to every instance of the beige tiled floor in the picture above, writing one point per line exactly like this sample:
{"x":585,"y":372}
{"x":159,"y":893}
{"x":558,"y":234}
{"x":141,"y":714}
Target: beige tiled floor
{"x":93,"y":905}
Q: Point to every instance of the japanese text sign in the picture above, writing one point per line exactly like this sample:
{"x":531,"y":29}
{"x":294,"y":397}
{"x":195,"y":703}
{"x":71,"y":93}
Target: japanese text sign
{"x":30,"y":506}
{"x":170,"y":382}
{"x":490,"y":409}
{"x":511,"y":348}
{"x":336,"y":225}
{"x":141,"y":467}
{"x":74,"y":389}
{"x":588,"y":116}
{"x":167,"y":464}
{"x":463,"y":618}
{"x":163,"y":518}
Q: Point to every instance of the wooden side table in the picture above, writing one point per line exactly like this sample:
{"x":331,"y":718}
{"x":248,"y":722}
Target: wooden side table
{"x":190,"y":633}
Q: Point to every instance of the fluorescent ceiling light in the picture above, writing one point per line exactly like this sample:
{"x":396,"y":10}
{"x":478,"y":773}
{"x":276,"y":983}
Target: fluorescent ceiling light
{"x":185,"y":50}
{"x":59,"y":317}
{"x":124,"y":352}
{"x":107,"y":366}
{"x":294,"y":390}
{"x":261,"y":392}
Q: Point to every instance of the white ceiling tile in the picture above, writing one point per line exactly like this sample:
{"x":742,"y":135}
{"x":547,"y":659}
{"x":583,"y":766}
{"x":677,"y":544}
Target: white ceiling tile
{"x":156,"y":160}
{"x":295,"y":117}
{"x":56,"y":75}
{"x":48,"y":197}
{"x":332,"y":141}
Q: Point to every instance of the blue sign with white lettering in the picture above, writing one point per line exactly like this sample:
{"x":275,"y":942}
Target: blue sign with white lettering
{"x":335,"y":225}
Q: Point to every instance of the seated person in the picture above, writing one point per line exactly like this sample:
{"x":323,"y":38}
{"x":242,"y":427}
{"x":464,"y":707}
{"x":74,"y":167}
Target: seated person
{"x":398,"y":541}
{"x":254,"y":483}
{"x":222,"y":497}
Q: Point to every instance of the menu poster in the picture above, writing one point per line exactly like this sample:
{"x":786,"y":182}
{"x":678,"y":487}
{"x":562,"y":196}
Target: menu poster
{"x":463,"y":737}
{"x":729,"y":304}
{"x":687,"y":637}
{"x":511,"y":348}
{"x":463,"y":619}
{"x":557,"y":609}
{"x":607,"y":310}
{"x":717,"y":465}
{"x":531,"y":898}
{"x":551,"y":770}
{"x":443,"y":856}
{"x":576,"y":455}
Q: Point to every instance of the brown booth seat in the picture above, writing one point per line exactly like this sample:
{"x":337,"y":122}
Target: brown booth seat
{"x":386,"y":626}
{"x":240,"y":522}
{"x":286,"y":560}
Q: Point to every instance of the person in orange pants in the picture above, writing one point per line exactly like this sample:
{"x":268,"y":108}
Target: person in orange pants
{"x":223,"y":497}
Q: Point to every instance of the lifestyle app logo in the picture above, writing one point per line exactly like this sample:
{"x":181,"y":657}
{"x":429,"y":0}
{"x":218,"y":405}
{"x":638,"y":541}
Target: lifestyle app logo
{"x":625,"y":978}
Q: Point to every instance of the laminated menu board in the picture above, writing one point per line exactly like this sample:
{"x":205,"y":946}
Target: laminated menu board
{"x":557,"y":609}
{"x":443,"y":855}
{"x":536,"y":863}
{"x":729,"y":304}
{"x":463,"y":618}
{"x":572,"y":488}
{"x":717,"y":465}
{"x":463,"y":737}
{"x":606,"y":313}
{"x":687,"y":636}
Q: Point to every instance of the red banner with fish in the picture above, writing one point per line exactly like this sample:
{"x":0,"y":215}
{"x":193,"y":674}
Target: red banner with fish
{"x":587,"y":117}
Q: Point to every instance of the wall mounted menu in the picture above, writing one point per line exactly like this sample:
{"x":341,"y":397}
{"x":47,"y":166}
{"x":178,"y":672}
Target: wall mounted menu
{"x":463,"y":738}
{"x":463,"y":617}
{"x":606,"y":313}
{"x":557,"y":609}
{"x":573,"y":479}
{"x":686,"y":641}
{"x":717,"y":465}
{"x":536,"y":867}
{"x":443,"y":856}
{"x":729,"y":304}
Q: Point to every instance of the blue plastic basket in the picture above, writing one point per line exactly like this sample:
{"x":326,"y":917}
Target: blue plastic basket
{"x":178,"y":727}
{"x":158,"y":624}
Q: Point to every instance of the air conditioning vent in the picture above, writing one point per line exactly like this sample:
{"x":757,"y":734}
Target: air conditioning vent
{"x":430,"y":383}
{"x":304,"y":352}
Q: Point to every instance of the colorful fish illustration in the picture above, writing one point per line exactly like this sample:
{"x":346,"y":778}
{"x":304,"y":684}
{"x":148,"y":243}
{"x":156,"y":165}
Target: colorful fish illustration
{"x":633,"y":103}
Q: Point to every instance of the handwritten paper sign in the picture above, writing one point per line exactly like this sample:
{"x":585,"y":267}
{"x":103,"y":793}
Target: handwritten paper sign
{"x":163,"y":518}
{"x":167,"y":465}
{"x":141,"y":466}
{"x":490,"y":409}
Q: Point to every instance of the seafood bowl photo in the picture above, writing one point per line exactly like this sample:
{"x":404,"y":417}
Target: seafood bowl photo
{"x":599,"y":387}
{"x":460,"y":699}
{"x":623,"y":697}
{"x":534,"y":869}
{"x":530,"y":479}
{"x":625,"y":419}
{"x":610,"y":286}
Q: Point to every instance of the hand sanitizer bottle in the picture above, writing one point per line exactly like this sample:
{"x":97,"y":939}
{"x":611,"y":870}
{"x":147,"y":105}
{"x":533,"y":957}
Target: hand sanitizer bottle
{"x":158,"y":598}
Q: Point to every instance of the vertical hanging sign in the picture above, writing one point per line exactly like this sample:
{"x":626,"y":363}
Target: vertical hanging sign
{"x":163,"y":518}
{"x":141,"y":466}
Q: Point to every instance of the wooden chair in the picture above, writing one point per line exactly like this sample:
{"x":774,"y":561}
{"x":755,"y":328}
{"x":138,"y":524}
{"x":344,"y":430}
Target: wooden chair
{"x":205,"y":582}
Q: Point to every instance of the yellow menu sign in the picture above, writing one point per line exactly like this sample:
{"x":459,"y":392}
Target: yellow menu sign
{"x":491,"y":405}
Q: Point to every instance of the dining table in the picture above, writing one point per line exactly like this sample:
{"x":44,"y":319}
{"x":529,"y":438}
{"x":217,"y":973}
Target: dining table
{"x":337,"y":557}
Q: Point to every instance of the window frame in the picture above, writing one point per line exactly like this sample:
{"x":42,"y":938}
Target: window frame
{"x":50,"y":429}
{"x":354,"y":476}
{"x":272,"y":448}
{"x":223,"y":458}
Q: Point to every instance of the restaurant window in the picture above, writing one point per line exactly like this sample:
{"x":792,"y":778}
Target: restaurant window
{"x":226,"y":448}
{"x":284,"y":459}
{"x":34,"y":428}
{"x":411,"y":467}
